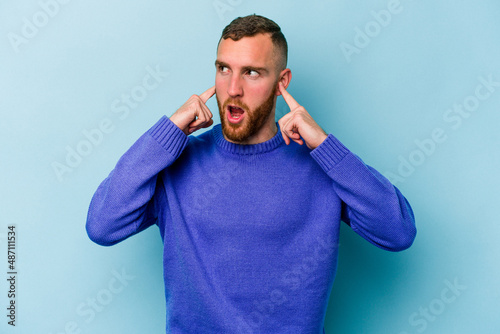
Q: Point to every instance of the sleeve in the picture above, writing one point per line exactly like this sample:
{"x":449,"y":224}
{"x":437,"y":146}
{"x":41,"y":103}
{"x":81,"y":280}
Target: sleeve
{"x":371,"y":205}
{"x":123,"y":203}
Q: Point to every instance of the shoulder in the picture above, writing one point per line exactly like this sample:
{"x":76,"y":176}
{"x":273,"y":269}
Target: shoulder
{"x":198,"y":147}
{"x":201,"y":140}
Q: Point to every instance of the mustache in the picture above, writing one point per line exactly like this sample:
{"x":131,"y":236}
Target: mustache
{"x":235,"y":102}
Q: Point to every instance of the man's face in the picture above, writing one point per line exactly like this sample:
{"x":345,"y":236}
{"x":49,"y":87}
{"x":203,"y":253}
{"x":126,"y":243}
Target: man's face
{"x":246,"y":84}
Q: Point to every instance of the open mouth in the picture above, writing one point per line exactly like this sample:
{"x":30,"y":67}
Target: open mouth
{"x":235,"y":114}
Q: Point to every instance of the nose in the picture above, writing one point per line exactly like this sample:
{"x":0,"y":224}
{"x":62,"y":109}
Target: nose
{"x":235,"y":89}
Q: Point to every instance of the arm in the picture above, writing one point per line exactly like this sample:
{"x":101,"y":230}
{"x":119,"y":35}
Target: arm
{"x":371,"y":205}
{"x":123,"y":204}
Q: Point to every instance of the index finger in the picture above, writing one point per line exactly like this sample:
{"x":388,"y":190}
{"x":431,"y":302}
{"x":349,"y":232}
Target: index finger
{"x":288,"y":98}
{"x":206,"y":95}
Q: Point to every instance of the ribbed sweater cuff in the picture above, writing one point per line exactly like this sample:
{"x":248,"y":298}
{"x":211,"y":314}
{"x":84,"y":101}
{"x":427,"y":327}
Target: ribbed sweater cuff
{"x":329,"y":153}
{"x":169,"y":136}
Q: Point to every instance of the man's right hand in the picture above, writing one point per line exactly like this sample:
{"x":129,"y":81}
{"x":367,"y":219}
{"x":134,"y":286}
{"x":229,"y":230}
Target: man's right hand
{"x":194,"y":114}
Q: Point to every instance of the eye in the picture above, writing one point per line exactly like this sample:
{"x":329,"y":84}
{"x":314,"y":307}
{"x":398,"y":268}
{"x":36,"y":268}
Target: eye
{"x":253,"y":73}
{"x":223,"y":69}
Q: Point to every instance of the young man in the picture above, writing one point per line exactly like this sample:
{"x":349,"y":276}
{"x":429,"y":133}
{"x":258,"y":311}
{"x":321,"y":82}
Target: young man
{"x":249,"y":212}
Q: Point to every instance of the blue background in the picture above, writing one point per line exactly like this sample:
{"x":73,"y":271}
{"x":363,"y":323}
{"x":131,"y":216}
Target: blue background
{"x":384,"y":100}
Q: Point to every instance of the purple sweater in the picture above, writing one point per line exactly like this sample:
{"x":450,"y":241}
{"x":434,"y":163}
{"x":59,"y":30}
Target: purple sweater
{"x":250,"y":232}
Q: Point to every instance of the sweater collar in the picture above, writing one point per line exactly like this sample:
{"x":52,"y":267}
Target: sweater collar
{"x":233,"y":148}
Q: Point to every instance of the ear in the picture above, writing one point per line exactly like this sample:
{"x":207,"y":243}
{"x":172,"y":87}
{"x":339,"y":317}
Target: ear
{"x":285,"y":77}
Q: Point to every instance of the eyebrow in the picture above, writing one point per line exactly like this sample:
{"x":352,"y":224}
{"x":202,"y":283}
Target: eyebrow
{"x":245,"y":68}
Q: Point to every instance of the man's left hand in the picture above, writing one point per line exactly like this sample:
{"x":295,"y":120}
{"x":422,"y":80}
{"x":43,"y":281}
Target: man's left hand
{"x":298,"y":125}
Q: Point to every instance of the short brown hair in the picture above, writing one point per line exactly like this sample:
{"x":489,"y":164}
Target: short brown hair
{"x":252,"y":25}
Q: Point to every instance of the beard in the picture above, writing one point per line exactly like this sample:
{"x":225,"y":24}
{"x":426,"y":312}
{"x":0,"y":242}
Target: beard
{"x":253,"y":122}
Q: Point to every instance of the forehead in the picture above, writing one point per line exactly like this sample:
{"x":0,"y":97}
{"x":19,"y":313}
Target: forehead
{"x":248,"y":51}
